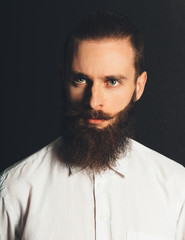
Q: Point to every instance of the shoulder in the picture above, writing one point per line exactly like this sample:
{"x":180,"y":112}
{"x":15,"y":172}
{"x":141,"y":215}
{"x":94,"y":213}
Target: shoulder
{"x":31,"y":171}
{"x":26,"y":184}
{"x":161,"y":168}
{"x":154,"y":158}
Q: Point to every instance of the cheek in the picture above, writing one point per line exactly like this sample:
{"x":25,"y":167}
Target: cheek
{"x":75,"y":94}
{"x":120,"y":100}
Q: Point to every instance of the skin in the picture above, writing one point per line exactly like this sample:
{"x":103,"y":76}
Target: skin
{"x":104,"y":77}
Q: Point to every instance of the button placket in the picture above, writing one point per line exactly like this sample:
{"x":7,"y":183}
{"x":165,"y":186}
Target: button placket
{"x":102,"y":209}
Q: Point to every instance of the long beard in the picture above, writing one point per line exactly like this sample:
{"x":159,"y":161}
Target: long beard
{"x":86,"y":146}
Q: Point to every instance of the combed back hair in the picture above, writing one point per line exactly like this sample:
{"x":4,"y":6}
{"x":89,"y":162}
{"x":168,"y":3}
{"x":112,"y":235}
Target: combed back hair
{"x":105,"y":25}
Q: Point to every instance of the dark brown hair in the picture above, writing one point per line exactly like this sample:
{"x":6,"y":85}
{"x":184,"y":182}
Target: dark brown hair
{"x":104,"y":25}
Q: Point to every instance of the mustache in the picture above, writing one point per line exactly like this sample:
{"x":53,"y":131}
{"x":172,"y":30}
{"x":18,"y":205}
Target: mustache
{"x":89,"y":113}
{"x":96,"y":114}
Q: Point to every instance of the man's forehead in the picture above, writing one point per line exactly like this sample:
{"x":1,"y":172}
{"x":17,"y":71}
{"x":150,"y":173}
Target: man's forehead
{"x":81,"y":44}
{"x":107,"y":56}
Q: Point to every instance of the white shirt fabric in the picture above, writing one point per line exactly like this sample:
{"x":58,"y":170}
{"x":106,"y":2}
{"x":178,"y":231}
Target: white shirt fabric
{"x":142,"y":198}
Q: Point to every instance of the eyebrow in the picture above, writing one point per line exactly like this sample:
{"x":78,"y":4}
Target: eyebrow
{"x":75,"y":74}
{"x":119,"y":77}
{"x":116,"y":77}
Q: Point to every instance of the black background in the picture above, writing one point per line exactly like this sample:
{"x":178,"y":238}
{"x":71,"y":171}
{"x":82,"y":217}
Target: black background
{"x":34,"y":34}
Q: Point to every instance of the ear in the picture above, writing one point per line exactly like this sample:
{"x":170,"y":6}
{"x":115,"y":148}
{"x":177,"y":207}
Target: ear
{"x":140,"y":85}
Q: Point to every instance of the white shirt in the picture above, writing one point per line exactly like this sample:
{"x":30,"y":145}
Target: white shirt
{"x":142,"y":198}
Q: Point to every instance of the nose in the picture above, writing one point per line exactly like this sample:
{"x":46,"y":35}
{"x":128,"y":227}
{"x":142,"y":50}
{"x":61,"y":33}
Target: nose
{"x":96,"y":100}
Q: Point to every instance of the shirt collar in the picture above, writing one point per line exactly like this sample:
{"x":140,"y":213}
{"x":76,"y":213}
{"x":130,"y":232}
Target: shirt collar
{"x":120,"y":168}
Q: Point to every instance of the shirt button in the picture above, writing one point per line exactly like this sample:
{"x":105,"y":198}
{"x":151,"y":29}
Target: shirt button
{"x":99,"y":185}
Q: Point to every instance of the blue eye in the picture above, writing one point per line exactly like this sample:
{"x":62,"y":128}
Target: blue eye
{"x":80,"y":81}
{"x":113,"y":82}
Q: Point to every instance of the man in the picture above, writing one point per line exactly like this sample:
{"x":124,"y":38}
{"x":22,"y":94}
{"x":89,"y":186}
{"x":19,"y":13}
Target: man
{"x":95,"y":182}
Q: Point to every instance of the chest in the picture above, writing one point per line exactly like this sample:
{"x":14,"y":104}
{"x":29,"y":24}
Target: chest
{"x":99,"y":208}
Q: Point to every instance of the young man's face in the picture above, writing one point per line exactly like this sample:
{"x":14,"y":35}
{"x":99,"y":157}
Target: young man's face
{"x":103,"y":78}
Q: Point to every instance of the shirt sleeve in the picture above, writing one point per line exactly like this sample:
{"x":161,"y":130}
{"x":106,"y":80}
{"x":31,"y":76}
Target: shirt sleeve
{"x":180,"y":234}
{"x":7,"y":216}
